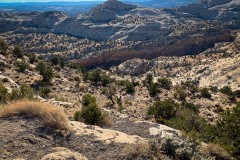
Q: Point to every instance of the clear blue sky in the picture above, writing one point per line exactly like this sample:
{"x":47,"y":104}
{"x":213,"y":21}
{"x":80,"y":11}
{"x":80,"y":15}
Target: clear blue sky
{"x":4,"y":1}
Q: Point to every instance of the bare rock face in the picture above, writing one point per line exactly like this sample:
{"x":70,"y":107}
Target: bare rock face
{"x":107,"y":136}
{"x":61,"y":153}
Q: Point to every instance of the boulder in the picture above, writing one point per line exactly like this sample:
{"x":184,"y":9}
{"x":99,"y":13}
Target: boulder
{"x":164,"y":131}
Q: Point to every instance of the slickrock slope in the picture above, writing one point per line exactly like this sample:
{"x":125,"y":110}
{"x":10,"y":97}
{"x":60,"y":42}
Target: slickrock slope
{"x":27,"y":138}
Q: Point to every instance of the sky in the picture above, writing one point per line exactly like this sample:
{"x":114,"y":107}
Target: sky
{"x":6,"y":1}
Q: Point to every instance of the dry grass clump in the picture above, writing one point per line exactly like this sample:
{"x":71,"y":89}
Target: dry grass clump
{"x":137,"y":151}
{"x":217,"y":151}
{"x":53,"y":117}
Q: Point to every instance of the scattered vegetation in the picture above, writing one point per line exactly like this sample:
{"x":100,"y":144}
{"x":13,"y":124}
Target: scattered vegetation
{"x":24,"y":92}
{"x":97,"y":77}
{"x":224,"y":134}
{"x":177,"y":148}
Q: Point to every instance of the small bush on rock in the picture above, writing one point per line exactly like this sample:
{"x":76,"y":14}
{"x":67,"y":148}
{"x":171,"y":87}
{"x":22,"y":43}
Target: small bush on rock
{"x":90,"y":114}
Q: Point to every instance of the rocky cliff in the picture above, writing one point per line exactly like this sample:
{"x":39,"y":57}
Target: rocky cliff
{"x":174,"y":46}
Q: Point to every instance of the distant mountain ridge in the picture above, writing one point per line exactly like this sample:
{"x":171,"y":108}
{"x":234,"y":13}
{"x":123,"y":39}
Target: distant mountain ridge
{"x":167,"y":3}
{"x":74,"y":8}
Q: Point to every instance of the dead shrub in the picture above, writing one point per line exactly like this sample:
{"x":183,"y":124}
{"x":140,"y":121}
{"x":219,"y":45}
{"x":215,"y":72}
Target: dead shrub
{"x":139,"y":150}
{"x":217,"y":151}
{"x":52,"y":116}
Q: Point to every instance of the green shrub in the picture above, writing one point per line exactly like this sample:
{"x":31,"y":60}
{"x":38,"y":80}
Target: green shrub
{"x":22,"y":66}
{"x":236,"y":93}
{"x":187,"y":120}
{"x":148,"y":79}
{"x":165,"y":83}
{"x":205,"y":93}
{"x":98,"y":77}
{"x":153,"y":89}
{"x":181,"y":148}
{"x":32,"y":57}
{"x":180,"y":94}
{"x":15,"y":94}
{"x":214,"y":89}
{"x":226,"y":90}
{"x":3,"y":94}
{"x":26,"y":92}
{"x":164,"y":109}
{"x":91,"y":113}
{"x":45,"y":91}
{"x":110,"y":92}
{"x":229,"y":129}
{"x":45,"y":71}
{"x":5,"y":80}
{"x":105,"y":79}
{"x":129,"y":87}
{"x":55,"y":60}
{"x":191,"y":106}
{"x":3,"y":47}
{"x":87,"y":99}
{"x":18,"y":52}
